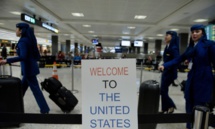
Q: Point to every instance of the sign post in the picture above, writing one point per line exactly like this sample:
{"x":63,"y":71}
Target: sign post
{"x":109,"y":98}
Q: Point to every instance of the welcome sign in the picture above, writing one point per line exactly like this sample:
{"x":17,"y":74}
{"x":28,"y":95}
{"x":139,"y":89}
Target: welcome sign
{"x":109,"y":98}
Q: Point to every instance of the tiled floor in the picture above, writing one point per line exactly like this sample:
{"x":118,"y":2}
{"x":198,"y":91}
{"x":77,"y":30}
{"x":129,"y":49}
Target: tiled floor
{"x":65,"y":76}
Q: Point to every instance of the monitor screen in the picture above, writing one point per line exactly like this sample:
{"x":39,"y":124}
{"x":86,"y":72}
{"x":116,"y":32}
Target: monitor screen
{"x":210,"y":32}
{"x":125,"y":43}
{"x":95,"y":41}
{"x":138,"y":43}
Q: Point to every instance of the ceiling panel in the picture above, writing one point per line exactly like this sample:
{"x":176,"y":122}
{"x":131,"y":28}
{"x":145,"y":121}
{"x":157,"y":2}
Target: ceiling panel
{"x":208,"y":13}
{"x":109,"y":19}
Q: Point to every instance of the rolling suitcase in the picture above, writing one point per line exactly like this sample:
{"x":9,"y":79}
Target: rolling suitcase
{"x":64,"y":99}
{"x":51,"y":85}
{"x":59,"y":94}
{"x":149,"y":96}
{"x":11,"y":97}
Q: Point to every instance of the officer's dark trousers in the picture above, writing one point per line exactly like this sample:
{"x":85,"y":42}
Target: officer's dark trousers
{"x":166,"y":101}
{"x":33,"y":83}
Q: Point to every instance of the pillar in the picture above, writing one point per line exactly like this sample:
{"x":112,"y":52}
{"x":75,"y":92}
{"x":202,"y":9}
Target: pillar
{"x":183,"y":41}
{"x":158,"y":43}
{"x":54,"y":44}
{"x":138,"y":50}
{"x":76,"y":48}
{"x":81,"y":48}
{"x":68,"y":44}
{"x":85,"y":49}
{"x":145,"y":48}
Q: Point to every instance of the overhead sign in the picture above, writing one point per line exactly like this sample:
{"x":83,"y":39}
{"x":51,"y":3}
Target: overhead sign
{"x":109,"y":95}
{"x":7,"y":41}
{"x":210,"y":32}
{"x":31,"y":20}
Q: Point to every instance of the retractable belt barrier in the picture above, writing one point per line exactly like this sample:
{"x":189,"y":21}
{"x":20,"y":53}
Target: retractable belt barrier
{"x":77,"y":118}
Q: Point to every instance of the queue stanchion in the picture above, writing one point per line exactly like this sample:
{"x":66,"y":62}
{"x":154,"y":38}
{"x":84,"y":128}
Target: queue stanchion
{"x":141,"y":73}
{"x":72,"y":80}
{"x":201,"y":117}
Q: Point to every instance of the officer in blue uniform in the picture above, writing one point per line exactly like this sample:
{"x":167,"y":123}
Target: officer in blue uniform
{"x":169,"y":75}
{"x":28,"y":55}
{"x":199,"y":85}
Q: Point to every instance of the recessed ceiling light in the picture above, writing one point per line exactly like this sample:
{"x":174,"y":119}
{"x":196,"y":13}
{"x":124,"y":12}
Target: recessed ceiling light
{"x":86,"y":25}
{"x":91,"y":31}
{"x":140,"y":17}
{"x":174,"y":29}
{"x":131,"y":27}
{"x":1,"y":23}
{"x":126,"y":33}
{"x":159,"y":34}
{"x":200,"y":20}
{"x":78,"y":14}
{"x":150,"y":38}
{"x":15,"y":13}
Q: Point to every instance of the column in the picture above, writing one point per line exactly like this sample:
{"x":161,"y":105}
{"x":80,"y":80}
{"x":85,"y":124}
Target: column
{"x":85,"y":49}
{"x":138,"y":50}
{"x":68,"y":44}
{"x":133,"y":48}
{"x":81,"y":48}
{"x":183,"y":41}
{"x":129,"y":50}
{"x":76,"y":48}
{"x":145,"y":48}
{"x":63,"y":48}
{"x":88,"y":50}
{"x":54,"y":44}
{"x":158,"y":43}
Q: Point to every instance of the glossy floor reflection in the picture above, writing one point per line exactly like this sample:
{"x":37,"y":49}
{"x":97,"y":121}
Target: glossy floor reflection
{"x":65,"y":76}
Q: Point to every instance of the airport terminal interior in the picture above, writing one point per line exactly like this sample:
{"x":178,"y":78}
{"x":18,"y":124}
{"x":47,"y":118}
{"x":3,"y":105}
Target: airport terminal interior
{"x":101,"y":30}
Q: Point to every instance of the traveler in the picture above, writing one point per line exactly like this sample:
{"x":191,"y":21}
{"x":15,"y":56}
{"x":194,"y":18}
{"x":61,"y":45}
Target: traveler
{"x":28,"y":55}
{"x":4,"y":52}
{"x":200,"y":82}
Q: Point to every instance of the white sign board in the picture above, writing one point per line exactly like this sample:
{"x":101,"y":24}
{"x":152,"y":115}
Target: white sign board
{"x":109,"y":94}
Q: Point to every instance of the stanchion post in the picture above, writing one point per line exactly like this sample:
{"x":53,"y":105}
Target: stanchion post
{"x":201,"y":117}
{"x":72,"y":81}
{"x":141,"y":72}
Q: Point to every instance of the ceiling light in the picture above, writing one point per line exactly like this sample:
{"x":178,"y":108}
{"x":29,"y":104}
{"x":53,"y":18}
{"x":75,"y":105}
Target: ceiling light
{"x":78,"y":14}
{"x":200,"y":20}
{"x":86,"y":25}
{"x":159,"y":34}
{"x":150,"y":38}
{"x":1,"y":23}
{"x":126,"y":33}
{"x":15,"y":13}
{"x":91,"y":31}
{"x":131,"y":27}
{"x":66,"y":34}
{"x":174,"y":29}
{"x":94,"y":35}
{"x":140,"y":17}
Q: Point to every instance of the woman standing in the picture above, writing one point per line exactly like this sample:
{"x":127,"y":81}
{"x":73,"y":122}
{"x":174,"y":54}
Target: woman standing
{"x":169,"y":75}
{"x":199,"y":85}
{"x":28,"y":55}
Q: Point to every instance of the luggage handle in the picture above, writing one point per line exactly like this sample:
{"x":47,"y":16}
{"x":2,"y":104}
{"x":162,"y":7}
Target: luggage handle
{"x":2,"y":71}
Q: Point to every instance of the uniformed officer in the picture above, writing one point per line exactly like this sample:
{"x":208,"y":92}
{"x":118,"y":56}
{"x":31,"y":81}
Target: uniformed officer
{"x":199,"y":85}
{"x":171,"y":52}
